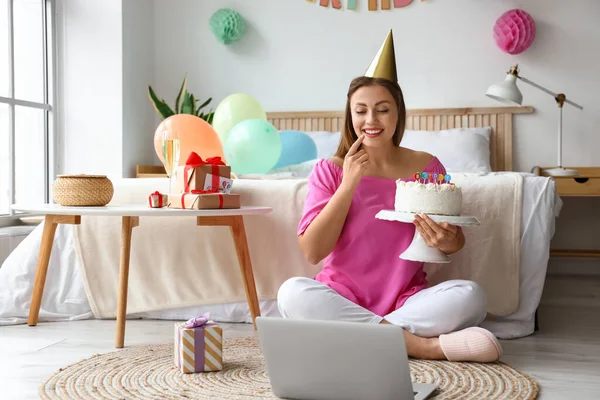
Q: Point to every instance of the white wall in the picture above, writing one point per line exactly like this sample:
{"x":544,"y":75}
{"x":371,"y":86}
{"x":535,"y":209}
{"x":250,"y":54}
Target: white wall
{"x":139,"y":121}
{"x":105,"y":63}
{"x":90,"y":87}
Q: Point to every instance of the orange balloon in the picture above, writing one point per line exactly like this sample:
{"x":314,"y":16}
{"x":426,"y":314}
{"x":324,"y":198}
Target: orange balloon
{"x":195,"y":135}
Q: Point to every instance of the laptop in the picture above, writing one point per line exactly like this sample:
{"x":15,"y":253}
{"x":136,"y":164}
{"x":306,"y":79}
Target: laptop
{"x":333,"y":360}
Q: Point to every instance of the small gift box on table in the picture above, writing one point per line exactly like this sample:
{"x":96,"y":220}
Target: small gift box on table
{"x":198,"y":174}
{"x":202,"y":199}
{"x":158,"y":200}
{"x":198,"y":345}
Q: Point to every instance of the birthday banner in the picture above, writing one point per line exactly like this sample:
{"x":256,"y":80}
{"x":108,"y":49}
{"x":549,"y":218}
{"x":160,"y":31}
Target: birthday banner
{"x":373,"y":6}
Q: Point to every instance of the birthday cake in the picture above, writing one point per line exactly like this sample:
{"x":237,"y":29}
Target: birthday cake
{"x":430,"y":194}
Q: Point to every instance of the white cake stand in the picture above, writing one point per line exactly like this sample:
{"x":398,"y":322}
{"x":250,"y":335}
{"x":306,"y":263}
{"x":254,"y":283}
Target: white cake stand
{"x":418,"y":249}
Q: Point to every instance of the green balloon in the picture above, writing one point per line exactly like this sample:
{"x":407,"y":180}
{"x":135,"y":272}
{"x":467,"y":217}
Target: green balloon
{"x":252,"y":147}
{"x":234,"y":109}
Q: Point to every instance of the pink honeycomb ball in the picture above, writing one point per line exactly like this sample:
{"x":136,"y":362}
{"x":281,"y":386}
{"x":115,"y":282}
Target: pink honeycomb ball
{"x":514,"y":31}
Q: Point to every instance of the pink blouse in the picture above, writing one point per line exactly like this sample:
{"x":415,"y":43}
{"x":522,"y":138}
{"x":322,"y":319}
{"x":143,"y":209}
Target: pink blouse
{"x":364,"y":266}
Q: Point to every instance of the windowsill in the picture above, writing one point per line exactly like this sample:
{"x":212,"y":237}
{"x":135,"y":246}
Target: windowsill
{"x":17,"y":230}
{"x":20,"y":220}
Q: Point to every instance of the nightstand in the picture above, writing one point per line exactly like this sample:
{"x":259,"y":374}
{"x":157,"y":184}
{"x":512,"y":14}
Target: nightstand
{"x":587,"y":184}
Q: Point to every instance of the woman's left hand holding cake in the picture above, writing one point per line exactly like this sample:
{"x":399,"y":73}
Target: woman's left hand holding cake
{"x":443,"y":236}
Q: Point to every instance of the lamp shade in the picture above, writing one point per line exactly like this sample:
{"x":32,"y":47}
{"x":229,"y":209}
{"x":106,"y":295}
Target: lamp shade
{"x":506,"y":91}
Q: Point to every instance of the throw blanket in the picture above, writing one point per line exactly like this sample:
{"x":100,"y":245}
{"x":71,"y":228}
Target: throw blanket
{"x":491,"y":254}
{"x":175,"y":263}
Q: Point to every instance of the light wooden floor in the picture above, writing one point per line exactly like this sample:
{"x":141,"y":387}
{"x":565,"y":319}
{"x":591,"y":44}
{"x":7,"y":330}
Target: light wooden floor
{"x":564,"y":357}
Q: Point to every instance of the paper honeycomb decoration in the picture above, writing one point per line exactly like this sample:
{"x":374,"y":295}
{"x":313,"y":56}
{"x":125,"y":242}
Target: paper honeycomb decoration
{"x":514,"y":31}
{"x":227,"y":25}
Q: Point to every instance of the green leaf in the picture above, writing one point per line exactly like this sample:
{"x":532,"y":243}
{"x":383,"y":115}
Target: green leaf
{"x":193,"y":104}
{"x":161,"y":107}
{"x":187,"y":107}
{"x":185,"y":103}
{"x":204,"y":104}
{"x":181,"y":91}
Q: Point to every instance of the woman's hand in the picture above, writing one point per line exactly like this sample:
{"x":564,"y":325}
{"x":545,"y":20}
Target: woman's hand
{"x":443,"y":236}
{"x":355,"y":164}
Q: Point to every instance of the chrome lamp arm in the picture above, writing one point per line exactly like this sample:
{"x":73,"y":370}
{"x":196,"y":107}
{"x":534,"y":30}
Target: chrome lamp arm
{"x":560,"y":97}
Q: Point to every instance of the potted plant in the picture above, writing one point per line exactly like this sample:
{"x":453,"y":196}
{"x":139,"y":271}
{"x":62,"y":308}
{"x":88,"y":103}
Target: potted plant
{"x":185,"y":103}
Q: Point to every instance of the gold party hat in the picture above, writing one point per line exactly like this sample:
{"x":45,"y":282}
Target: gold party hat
{"x":384,"y":63}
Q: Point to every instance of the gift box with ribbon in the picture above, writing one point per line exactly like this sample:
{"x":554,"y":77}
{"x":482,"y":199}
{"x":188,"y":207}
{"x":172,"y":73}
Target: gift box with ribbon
{"x":158,"y":200}
{"x":204,"y":199}
{"x":198,"y":345}
{"x":198,"y":174}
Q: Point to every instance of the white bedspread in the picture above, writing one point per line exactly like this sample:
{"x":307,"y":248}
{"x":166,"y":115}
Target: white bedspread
{"x":65,"y":296}
{"x":176,"y":264}
{"x":491,"y":255}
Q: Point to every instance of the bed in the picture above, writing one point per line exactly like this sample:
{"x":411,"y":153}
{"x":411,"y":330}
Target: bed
{"x":483,"y":134}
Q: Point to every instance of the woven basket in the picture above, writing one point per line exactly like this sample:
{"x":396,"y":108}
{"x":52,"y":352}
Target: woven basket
{"x":82,"y":190}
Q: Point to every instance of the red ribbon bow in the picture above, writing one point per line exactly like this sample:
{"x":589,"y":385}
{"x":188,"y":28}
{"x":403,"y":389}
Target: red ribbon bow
{"x":194,"y":161}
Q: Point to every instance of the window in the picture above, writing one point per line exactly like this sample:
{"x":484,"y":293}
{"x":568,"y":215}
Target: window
{"x":26,"y":102}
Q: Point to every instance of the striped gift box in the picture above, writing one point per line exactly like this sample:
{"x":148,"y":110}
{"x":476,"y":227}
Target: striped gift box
{"x":199,"y":349}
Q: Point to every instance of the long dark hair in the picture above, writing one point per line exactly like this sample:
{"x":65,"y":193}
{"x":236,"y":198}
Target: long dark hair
{"x":348,"y":134}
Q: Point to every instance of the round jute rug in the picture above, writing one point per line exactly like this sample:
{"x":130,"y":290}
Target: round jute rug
{"x":149,"y":373}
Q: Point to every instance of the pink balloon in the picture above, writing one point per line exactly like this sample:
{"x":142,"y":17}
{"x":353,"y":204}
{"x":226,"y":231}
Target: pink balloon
{"x":514,"y":31}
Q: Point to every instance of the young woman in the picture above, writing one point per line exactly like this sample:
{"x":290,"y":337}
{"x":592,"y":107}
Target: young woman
{"x":363,"y":279}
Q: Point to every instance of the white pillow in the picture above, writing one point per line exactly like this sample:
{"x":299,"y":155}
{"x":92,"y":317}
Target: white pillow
{"x":461,"y":149}
{"x":327,"y":142}
{"x":301,"y":170}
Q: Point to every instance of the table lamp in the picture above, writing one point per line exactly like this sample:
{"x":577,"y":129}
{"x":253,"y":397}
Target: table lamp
{"x":508,"y":92}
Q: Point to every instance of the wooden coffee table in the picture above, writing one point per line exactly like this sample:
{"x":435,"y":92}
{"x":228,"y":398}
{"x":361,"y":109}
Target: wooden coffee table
{"x":56,"y":214}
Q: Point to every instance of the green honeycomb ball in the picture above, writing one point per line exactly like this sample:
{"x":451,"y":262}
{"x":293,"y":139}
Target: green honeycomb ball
{"x":227,"y":25}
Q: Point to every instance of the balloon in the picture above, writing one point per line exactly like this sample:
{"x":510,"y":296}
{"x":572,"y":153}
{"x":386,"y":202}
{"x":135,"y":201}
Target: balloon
{"x":296,"y":147}
{"x":195,"y":134}
{"x":233,"y":110}
{"x":253,"y":147}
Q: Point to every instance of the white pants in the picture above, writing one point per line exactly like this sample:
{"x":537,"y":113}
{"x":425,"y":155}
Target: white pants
{"x":444,"y":308}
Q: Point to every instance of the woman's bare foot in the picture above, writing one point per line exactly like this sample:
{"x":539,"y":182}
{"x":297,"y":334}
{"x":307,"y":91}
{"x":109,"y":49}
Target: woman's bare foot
{"x":423,"y":348}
